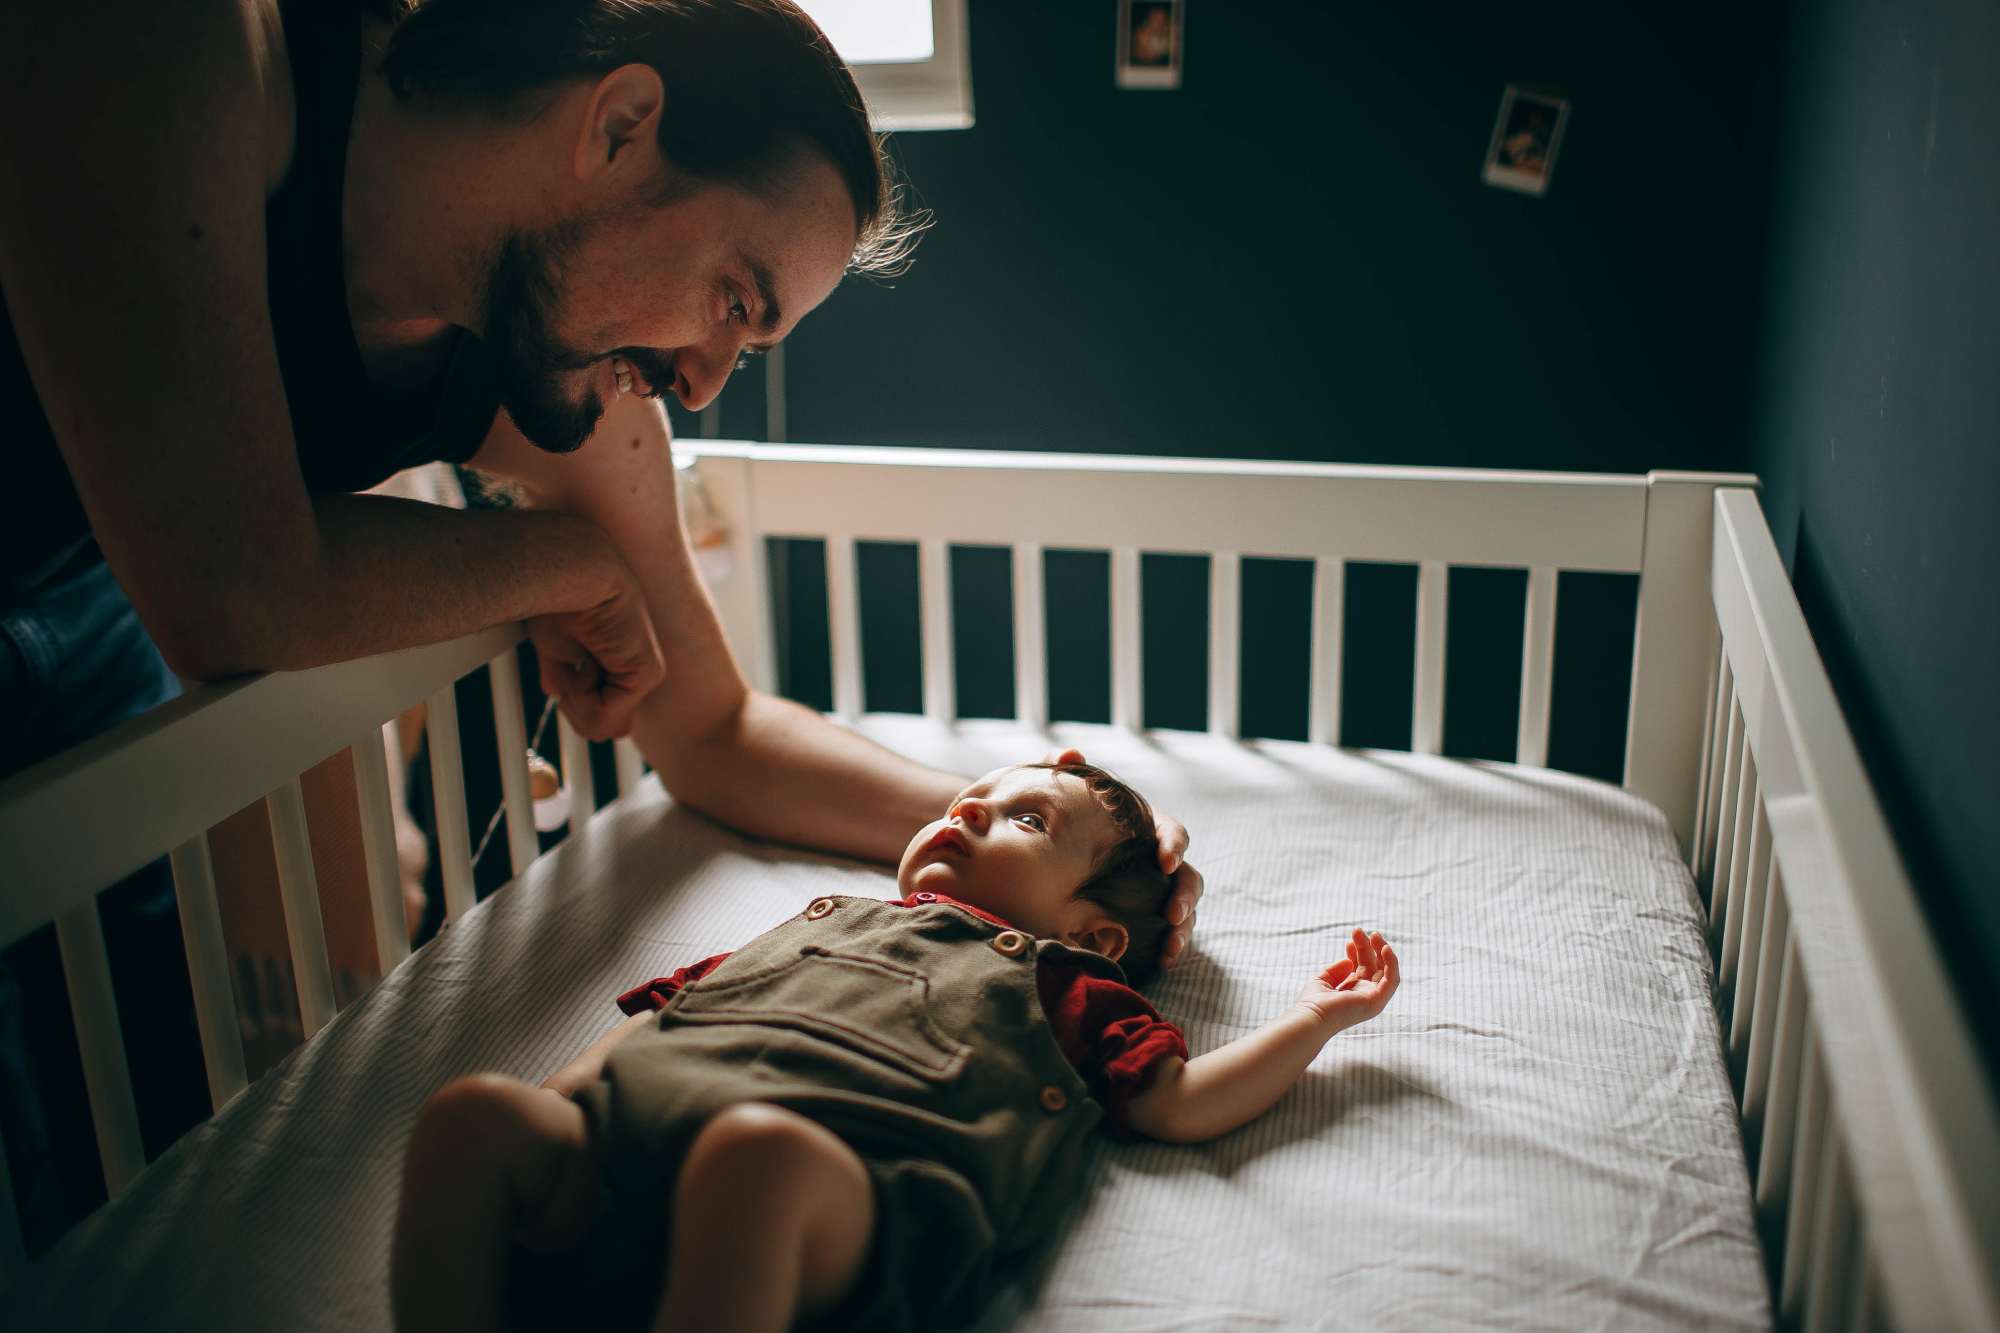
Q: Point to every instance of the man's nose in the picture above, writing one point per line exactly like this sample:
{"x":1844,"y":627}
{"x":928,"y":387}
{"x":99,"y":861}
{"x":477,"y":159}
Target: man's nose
{"x":699,"y":377}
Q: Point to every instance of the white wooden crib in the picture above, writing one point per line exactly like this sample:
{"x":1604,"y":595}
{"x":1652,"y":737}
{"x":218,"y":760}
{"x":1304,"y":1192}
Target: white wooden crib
{"x":1872,"y":1137}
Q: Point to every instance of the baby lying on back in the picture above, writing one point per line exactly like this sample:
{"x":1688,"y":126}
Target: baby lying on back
{"x":850,"y":1119}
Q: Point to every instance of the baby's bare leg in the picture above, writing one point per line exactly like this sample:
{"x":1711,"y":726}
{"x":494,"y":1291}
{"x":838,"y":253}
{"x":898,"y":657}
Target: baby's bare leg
{"x":772,"y":1216}
{"x":492,"y":1160}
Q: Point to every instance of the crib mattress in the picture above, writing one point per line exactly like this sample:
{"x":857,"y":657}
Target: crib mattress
{"x":1538,"y":1133}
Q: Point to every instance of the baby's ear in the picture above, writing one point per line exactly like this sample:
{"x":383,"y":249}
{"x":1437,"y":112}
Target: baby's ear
{"x":1100,"y":935}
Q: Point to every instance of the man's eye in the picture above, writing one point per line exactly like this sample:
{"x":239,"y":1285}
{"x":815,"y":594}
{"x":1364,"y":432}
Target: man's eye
{"x":1034,"y":822}
{"x":743,"y":357}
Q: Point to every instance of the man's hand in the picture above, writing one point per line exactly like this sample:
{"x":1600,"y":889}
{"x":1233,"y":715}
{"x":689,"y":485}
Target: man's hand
{"x":1187,"y":881}
{"x":599,"y":662}
{"x":1356,"y":988}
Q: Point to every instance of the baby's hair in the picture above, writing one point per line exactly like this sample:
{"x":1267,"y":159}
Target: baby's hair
{"x":1127,"y":882}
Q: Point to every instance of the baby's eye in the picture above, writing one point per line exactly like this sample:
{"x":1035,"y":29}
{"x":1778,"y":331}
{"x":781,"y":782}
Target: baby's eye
{"x":1033,"y":821}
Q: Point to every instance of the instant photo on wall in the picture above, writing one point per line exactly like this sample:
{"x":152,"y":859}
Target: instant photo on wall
{"x":1149,"y":43}
{"x":1526,"y":135}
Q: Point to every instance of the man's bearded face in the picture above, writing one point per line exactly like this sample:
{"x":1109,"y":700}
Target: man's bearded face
{"x":541,"y":378}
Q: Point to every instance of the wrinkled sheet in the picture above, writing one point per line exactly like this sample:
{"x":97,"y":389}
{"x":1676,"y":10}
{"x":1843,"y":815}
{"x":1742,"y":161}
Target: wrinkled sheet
{"x":1537,"y":1134}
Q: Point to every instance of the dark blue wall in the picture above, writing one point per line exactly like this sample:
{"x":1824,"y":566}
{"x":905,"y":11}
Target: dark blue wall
{"x":1878,"y":428}
{"x":1294,"y":257}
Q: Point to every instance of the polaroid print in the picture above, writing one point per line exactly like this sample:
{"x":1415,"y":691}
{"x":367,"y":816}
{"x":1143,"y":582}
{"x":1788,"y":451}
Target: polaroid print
{"x":1149,"y":43}
{"x":1525,"y":138}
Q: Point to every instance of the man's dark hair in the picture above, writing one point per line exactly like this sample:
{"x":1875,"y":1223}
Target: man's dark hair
{"x":1127,"y":882}
{"x":750,"y":85}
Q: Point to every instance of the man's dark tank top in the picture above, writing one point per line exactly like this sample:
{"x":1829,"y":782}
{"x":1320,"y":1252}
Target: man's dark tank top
{"x":350,"y":435}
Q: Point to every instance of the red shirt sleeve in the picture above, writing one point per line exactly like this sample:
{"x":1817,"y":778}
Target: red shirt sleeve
{"x":654,"y":994}
{"x":1113,"y":1038}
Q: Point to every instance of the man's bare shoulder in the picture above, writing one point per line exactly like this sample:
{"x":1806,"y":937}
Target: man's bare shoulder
{"x":147,"y":67}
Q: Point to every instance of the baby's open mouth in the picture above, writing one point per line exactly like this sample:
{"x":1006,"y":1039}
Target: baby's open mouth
{"x":949,"y":838}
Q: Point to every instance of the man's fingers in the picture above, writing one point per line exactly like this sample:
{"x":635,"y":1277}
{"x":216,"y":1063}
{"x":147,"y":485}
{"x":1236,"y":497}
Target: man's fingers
{"x":1063,"y":757}
{"x":1185,"y":894}
{"x":1173,"y":846}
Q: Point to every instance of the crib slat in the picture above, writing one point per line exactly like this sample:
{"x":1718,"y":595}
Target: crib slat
{"x":1538,"y":652}
{"x":1742,"y":872}
{"x":1329,"y":608}
{"x":208,"y":971}
{"x":843,"y":622}
{"x":1718,"y":867}
{"x":1774,"y":953}
{"x":1225,"y":622}
{"x":1774,"y":1154}
{"x":510,"y":735}
{"x":370,"y":756}
{"x":1031,"y":687}
{"x":448,"y":793}
{"x":577,"y":775}
{"x":1808,"y":1163}
{"x":1727,"y":894}
{"x":1720,"y":704}
{"x":631,"y":765}
{"x":1427,"y":720}
{"x":298,"y":889}
{"x":106,"y":1077}
{"x":1830,"y":1252}
{"x":1128,"y":704}
{"x":940,"y":680}
{"x":1748,"y":953}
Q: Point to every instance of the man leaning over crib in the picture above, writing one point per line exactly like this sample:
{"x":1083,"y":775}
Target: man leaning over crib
{"x":258,"y":255}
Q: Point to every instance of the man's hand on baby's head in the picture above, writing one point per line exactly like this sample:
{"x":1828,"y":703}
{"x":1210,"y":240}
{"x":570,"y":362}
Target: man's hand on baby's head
{"x":1356,"y":988}
{"x":1187,"y":882}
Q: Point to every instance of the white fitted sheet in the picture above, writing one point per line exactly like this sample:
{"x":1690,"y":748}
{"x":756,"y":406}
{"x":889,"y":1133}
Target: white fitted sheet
{"x":1538,"y":1133}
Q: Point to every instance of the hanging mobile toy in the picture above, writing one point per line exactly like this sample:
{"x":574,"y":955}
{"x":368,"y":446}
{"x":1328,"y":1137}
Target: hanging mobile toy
{"x":545,"y":789}
{"x":551,"y":797}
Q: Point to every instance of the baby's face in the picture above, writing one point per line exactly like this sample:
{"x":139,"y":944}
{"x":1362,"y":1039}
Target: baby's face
{"x":1019,"y":843}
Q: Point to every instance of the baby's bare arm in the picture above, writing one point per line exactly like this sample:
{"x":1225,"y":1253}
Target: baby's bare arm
{"x":1233,"y":1085}
{"x":586,"y":1067}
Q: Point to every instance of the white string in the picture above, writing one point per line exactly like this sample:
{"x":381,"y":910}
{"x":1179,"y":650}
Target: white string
{"x":548,"y":711}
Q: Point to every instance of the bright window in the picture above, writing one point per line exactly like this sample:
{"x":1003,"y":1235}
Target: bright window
{"x":908,"y":56}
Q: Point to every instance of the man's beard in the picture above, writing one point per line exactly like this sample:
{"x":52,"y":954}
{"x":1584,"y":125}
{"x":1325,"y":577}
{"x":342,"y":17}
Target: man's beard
{"x":530,"y":363}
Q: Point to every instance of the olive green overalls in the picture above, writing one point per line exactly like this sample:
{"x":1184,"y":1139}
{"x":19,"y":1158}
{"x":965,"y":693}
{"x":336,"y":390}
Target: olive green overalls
{"x":914,"y":1033}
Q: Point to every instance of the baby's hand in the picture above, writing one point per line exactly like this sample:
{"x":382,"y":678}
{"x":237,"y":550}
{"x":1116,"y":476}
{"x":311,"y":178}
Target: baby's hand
{"x":1354,"y":989}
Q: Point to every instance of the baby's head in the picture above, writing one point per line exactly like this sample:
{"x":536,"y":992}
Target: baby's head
{"x":1064,"y":851}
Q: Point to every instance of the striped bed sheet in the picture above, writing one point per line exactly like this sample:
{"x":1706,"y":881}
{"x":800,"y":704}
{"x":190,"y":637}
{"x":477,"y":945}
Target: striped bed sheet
{"x":1538,"y":1133}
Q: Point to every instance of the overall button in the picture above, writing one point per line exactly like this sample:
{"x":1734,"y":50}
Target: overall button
{"x":1010,"y":943}
{"x":820,"y":908}
{"x":925,"y":897}
{"x":1054,"y":1098}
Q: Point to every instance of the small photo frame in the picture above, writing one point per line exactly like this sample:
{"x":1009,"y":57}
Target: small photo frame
{"x":1150,"y":33}
{"x":1526,"y":135}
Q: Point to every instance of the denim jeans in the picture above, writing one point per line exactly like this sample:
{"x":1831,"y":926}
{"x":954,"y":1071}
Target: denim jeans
{"x":75,"y":661}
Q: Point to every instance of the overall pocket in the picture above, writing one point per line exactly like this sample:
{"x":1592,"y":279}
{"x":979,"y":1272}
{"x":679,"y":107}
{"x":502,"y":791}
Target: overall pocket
{"x":865,"y":1005}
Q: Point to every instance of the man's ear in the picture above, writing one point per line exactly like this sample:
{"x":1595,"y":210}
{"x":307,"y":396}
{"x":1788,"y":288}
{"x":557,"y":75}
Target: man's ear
{"x":621,"y":124}
{"x":1100,"y":935}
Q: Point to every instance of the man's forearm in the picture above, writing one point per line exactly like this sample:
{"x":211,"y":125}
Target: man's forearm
{"x":387,"y":573}
{"x":1232,"y":1085}
{"x":784,"y":772}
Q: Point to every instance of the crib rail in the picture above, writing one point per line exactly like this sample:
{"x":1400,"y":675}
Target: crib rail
{"x":1873,"y":1139}
{"x":1655,"y":526}
{"x":176,"y":772}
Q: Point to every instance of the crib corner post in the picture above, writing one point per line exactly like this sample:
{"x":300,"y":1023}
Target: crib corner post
{"x":741,"y":595}
{"x":1674,"y":640}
